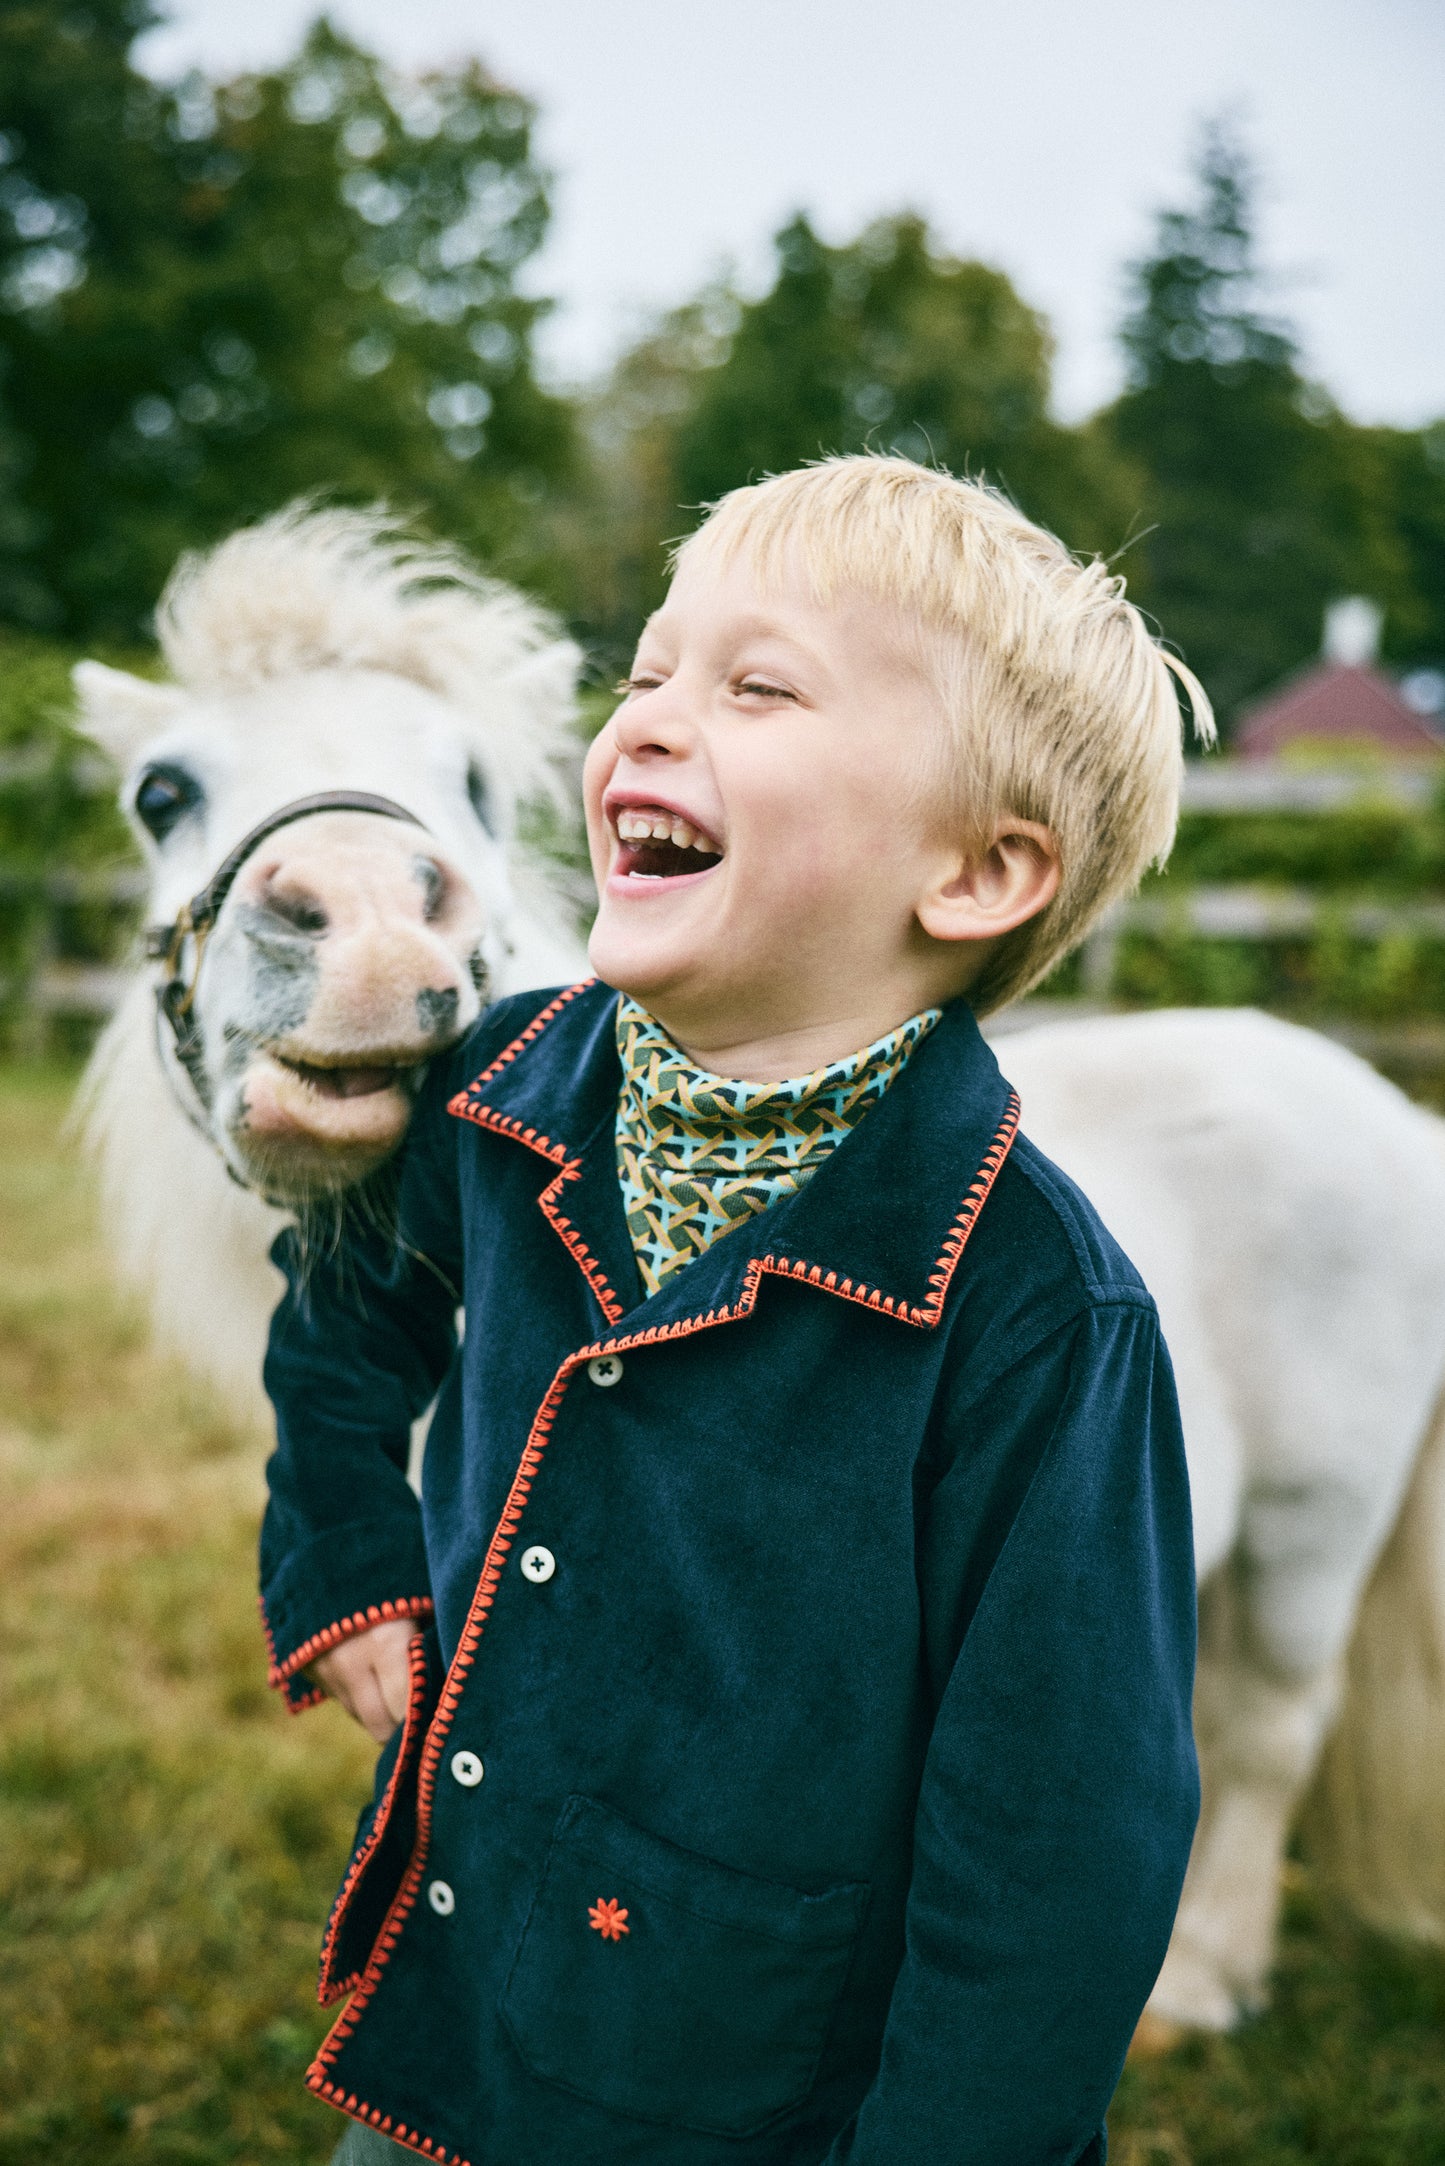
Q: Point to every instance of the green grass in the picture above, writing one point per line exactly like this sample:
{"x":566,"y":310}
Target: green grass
{"x":1346,"y":2069}
{"x":169,"y":1839}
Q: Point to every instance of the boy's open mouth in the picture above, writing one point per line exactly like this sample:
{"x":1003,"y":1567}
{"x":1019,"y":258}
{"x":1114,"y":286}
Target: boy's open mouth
{"x":658,"y":845}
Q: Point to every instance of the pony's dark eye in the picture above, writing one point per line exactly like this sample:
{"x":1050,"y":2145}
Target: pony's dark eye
{"x":479,"y":790}
{"x":164,"y":795}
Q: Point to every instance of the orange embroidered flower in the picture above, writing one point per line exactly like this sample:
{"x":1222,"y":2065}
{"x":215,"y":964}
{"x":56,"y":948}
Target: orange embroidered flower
{"x":608,"y":1919}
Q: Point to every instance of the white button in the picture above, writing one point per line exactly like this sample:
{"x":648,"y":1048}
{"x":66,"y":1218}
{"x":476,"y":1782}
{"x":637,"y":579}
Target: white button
{"x":440,"y":1896}
{"x":467,"y":1769}
{"x":605,"y":1369}
{"x":538,"y":1564}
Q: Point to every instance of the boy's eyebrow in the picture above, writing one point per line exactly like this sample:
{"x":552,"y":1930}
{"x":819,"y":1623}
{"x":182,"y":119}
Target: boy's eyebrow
{"x":755,"y":626}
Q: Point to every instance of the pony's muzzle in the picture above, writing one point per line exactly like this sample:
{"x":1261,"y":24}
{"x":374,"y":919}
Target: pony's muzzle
{"x":356,"y":940}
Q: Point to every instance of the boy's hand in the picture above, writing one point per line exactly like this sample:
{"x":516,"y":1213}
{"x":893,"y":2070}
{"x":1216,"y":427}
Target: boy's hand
{"x":371,"y":1675}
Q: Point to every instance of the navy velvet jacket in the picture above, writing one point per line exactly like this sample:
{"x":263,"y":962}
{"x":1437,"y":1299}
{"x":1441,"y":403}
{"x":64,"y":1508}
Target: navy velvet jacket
{"x":798,"y":1765}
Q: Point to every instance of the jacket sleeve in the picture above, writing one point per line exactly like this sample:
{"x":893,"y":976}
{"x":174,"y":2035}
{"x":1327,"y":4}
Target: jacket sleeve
{"x":359,"y":1345}
{"x":1060,"y":1789}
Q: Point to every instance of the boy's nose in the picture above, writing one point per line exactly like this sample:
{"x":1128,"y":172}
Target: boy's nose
{"x":655,"y":726}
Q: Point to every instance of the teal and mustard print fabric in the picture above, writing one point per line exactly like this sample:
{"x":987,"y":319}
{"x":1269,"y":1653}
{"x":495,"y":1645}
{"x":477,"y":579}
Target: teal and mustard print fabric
{"x":698,"y":1154}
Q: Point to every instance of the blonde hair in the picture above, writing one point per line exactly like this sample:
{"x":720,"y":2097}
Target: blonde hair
{"x":1063,"y":708}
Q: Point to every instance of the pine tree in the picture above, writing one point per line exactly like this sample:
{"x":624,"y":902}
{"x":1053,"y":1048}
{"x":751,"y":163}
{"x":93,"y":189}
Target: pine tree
{"x":1258,"y":510}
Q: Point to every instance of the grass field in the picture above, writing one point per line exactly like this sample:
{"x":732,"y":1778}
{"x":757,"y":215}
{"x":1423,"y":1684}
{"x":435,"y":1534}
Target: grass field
{"x":169,"y":1839}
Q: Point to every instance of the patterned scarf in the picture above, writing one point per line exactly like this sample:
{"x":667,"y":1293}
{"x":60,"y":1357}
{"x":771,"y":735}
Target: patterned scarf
{"x":698,"y":1154}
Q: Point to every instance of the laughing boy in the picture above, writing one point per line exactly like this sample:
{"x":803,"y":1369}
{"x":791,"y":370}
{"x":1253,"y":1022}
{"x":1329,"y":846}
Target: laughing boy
{"x":784,"y":1675}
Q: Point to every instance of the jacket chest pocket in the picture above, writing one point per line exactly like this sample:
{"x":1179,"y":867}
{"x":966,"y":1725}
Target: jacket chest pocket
{"x":666,"y":1986}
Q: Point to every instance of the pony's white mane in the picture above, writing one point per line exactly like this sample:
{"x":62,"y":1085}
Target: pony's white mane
{"x":330,"y":588}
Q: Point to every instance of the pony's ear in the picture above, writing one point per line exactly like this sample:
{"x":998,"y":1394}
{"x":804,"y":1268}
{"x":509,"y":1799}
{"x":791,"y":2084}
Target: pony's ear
{"x":120,"y":713}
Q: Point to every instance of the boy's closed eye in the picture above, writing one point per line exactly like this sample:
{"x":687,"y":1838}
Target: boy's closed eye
{"x":744,"y":687}
{"x":757,"y":688}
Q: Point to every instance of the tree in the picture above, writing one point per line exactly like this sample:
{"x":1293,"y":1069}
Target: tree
{"x":1262,"y":502}
{"x":214,"y":297}
{"x":613,"y":530}
{"x":1409,"y":482}
{"x":883,"y":342}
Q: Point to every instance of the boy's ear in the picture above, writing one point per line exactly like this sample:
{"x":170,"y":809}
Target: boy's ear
{"x":119,"y":712}
{"x":992,"y":892}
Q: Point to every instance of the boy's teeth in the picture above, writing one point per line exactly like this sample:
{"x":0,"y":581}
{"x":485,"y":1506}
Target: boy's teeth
{"x":637,"y":826}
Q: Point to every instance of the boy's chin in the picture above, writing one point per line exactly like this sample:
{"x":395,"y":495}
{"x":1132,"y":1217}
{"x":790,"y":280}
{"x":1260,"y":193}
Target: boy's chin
{"x":646,"y":970}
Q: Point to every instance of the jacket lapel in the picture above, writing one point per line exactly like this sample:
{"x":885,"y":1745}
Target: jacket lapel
{"x":882,"y":1222}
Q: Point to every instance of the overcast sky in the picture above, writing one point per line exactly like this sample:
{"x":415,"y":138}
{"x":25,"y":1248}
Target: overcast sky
{"x":1037,"y":134}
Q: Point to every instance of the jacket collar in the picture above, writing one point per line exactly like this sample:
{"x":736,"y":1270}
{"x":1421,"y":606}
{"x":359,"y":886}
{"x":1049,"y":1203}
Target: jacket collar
{"x":882,"y":1222}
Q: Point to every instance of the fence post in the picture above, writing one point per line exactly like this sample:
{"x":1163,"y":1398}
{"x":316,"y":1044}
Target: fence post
{"x":31,"y":1033}
{"x":1099,"y":956}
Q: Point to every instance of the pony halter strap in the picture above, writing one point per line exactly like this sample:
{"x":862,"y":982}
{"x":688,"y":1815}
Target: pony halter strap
{"x":194,"y":922}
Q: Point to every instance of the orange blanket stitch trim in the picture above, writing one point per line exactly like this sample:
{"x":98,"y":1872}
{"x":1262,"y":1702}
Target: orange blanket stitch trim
{"x":587,"y":1263}
{"x":410,"y":2138}
{"x":404,"y":1901}
{"x":346,"y":1628}
{"x":466,"y":1106}
{"x":329,"y":1988}
{"x":524,"y":1038}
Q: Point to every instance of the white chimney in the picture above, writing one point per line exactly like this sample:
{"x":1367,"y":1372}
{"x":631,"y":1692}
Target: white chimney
{"x":1352,"y":631}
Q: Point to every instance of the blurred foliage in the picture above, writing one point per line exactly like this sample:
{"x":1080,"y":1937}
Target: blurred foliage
{"x":51,"y":810}
{"x":887,"y":344}
{"x":883,"y":343}
{"x":61,"y":832}
{"x":1230,"y":490}
{"x":1367,"y":848}
{"x":214,"y":297}
{"x":1369,"y":851}
{"x":1326,"y":975}
{"x":1259,"y":501}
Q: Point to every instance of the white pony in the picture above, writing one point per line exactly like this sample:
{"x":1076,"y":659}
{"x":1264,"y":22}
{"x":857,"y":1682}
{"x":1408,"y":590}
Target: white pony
{"x":1286,"y":1205}
{"x":316,"y":654}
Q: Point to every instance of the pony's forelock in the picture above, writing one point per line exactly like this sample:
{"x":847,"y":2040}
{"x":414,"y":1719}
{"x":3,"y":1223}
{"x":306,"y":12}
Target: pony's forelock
{"x":319,"y":588}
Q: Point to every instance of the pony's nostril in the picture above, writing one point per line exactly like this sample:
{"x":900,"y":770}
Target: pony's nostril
{"x":436,"y":1012}
{"x":300,"y":911}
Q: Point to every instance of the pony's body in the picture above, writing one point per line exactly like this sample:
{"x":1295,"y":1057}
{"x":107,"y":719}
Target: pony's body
{"x":1286,"y":1206}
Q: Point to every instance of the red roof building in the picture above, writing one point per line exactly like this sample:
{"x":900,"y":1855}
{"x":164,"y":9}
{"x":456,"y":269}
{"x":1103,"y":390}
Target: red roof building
{"x":1351,"y":703}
